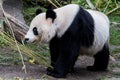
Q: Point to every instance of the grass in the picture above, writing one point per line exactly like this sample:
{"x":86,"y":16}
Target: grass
{"x":116,"y":64}
{"x":102,"y":78}
{"x":29,"y":13}
{"x":115,"y":29}
{"x":115,"y":35}
{"x":19,"y":78}
{"x":115,"y":51}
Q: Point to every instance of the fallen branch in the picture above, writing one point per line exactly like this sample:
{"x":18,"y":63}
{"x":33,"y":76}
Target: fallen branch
{"x":18,"y":27}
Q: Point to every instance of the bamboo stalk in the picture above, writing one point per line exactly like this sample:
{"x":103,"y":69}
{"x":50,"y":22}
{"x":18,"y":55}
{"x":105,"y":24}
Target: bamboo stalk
{"x":57,"y":3}
{"x":90,"y":4}
{"x":106,"y":6}
{"x":52,"y":3}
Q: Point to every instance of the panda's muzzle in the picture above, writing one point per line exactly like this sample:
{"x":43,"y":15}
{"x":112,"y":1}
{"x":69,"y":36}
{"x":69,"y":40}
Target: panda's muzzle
{"x":36,"y":38}
{"x":26,"y":39}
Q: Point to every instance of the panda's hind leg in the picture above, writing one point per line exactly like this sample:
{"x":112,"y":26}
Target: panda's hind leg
{"x":101,"y":60}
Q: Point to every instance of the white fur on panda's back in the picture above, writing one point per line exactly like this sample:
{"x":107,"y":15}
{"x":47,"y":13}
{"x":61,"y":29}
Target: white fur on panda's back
{"x":101,"y":34}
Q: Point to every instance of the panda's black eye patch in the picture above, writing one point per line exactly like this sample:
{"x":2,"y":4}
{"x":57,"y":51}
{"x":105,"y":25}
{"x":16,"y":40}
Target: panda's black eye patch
{"x":35,"y":31}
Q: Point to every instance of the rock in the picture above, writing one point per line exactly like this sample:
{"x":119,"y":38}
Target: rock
{"x":14,"y":8}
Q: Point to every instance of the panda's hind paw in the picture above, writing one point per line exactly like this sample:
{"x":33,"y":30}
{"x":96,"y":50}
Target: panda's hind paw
{"x":93,"y":68}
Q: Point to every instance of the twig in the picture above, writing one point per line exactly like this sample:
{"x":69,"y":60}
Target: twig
{"x":52,"y":3}
{"x":115,"y":23}
{"x":113,"y":10}
{"x":57,"y":3}
{"x":96,"y":5}
{"x":116,"y":3}
{"x":106,"y":6}
{"x":90,"y":4}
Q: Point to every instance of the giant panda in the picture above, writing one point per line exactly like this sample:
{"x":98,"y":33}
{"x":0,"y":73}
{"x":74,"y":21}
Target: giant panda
{"x":72,"y":31}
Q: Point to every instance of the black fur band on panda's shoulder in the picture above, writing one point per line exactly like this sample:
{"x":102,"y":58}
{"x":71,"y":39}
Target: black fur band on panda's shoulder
{"x":38,"y":11}
{"x":50,"y":14}
{"x":87,"y":27}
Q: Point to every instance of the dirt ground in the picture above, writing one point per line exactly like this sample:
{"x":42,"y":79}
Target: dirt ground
{"x":36,"y":72}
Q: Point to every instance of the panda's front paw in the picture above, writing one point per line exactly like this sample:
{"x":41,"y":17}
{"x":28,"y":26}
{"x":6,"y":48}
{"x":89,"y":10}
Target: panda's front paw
{"x":52,"y":72}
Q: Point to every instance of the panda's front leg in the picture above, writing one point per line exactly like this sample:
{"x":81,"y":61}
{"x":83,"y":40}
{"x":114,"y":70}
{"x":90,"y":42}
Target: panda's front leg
{"x":54,"y":52}
{"x":65,"y":62}
{"x":62,"y":66}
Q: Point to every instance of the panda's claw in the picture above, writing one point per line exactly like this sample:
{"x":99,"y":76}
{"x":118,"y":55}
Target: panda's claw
{"x":93,"y":68}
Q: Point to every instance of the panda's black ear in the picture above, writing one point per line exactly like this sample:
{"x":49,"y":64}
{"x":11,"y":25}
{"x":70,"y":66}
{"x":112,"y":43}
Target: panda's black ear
{"x":50,"y":14}
{"x":38,"y":11}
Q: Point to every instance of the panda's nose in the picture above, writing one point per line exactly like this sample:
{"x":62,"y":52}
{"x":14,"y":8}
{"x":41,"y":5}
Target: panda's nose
{"x":26,"y":39}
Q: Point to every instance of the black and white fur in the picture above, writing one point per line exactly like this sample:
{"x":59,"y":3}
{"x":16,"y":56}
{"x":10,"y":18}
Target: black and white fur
{"x":72,"y":31}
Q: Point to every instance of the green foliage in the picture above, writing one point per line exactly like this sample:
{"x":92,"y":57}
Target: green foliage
{"x":29,"y":13}
{"x":40,"y":49}
{"x":81,"y":2}
{"x":102,"y":78}
{"x":116,"y":64}
{"x":30,"y":7}
{"x":101,"y":5}
{"x":115,"y":18}
{"x":116,"y":73}
{"x":1,"y":23}
{"x":115,"y":29}
{"x":29,"y":2}
{"x":29,"y":10}
{"x":115,"y":51}
{"x":2,"y":42}
{"x":115,"y":34}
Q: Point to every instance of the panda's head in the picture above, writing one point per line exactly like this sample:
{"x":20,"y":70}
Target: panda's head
{"x":40,"y":27}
